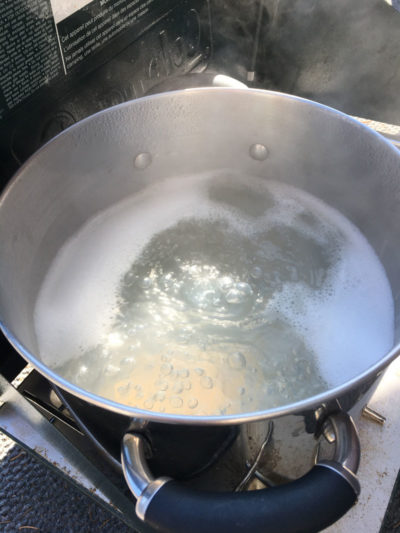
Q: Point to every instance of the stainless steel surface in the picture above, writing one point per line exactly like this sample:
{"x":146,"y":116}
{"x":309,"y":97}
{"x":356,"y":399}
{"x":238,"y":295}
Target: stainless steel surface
{"x":148,"y":494}
{"x":373,"y":415}
{"x":137,"y":474}
{"x":49,"y":194}
{"x":328,"y":432}
{"x":345,"y":461}
{"x":391,"y":132}
{"x":252,"y":469}
{"x":134,"y":466}
{"x":267,"y":482}
{"x":346,"y":458}
{"x":396,"y":143}
{"x":347,"y":443}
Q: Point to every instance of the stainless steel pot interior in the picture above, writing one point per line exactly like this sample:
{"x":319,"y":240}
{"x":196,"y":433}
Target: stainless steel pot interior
{"x":91,"y":166}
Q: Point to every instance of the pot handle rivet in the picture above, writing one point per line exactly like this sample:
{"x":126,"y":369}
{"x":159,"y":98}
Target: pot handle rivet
{"x":259,"y":152}
{"x":143,"y":160}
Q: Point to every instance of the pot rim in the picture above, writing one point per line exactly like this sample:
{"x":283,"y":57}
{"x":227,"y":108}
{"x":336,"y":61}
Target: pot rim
{"x":310,"y":403}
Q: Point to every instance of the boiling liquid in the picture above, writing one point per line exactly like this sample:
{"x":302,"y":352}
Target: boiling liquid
{"x":215,"y":294}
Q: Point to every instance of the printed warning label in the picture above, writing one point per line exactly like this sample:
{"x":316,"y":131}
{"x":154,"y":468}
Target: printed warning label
{"x":29,"y":50}
{"x":93,"y":26}
{"x":42,"y":41}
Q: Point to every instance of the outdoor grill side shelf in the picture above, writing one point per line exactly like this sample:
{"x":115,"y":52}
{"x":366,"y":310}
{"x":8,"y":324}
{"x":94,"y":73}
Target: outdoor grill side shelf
{"x":32,"y":431}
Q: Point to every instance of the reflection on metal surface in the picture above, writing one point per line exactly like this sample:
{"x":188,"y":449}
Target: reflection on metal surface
{"x":272,"y":480}
{"x":142,"y":160}
{"x":328,"y":432}
{"x":390,"y":131}
{"x":347,"y":444}
{"x":346,"y":458}
{"x":374,"y":416}
{"x":143,"y":485}
{"x":137,"y":474}
{"x":134,"y":465}
{"x":52,"y":412}
{"x":16,"y":382}
{"x":266,"y":481}
{"x":245,"y":481}
{"x":258,"y":151}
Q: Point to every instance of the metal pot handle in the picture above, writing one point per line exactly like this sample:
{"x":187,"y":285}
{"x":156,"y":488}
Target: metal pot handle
{"x":305,"y":505}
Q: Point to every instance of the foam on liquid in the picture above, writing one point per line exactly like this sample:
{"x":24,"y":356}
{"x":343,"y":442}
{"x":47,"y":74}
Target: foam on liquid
{"x":214,"y":294}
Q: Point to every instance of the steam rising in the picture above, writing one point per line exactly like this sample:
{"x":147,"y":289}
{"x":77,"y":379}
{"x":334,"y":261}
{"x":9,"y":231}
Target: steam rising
{"x":343,"y":54}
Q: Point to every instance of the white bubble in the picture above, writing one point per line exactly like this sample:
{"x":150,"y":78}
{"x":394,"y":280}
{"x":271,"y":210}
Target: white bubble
{"x":83,"y":370}
{"x":177,"y":387}
{"x":160,"y":396}
{"x":146,"y":283}
{"x":176,"y":401}
{"x":166,"y":369}
{"x":245,"y":288}
{"x":127,"y":361}
{"x":234,"y":296}
{"x":162,"y":385}
{"x":256,"y":272}
{"x":217,"y":301}
{"x":111,"y":370}
{"x":237,"y":360}
{"x":206,"y":382}
{"x":124,"y":389}
{"x":225,"y":283}
{"x":114,"y":339}
{"x":239,"y":293}
{"x":167,"y":281}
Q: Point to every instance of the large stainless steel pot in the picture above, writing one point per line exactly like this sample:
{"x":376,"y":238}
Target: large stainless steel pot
{"x":120,"y":151}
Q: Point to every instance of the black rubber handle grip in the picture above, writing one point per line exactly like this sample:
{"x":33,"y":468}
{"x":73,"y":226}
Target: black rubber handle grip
{"x":306,"y":505}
